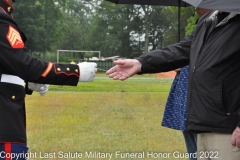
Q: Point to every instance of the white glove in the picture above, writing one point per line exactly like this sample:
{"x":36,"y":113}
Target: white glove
{"x":87,"y":71}
{"x":41,"y":88}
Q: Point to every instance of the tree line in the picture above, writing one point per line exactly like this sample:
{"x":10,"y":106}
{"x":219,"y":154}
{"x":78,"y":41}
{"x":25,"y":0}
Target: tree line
{"x":123,"y":30}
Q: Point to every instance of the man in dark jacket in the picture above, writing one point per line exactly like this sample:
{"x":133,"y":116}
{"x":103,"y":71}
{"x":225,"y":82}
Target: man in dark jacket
{"x":213,"y":55}
{"x":17,"y":68}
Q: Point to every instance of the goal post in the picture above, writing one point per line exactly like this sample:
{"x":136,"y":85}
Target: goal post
{"x":79,"y":51}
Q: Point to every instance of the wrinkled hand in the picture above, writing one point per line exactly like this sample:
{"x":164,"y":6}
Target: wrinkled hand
{"x":87,"y":71}
{"x":41,"y":88}
{"x":235,"y":139}
{"x":124,"y":69}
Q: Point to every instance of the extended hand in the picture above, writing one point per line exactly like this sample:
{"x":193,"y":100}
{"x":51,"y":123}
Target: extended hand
{"x":87,"y":71}
{"x":235,"y":140}
{"x":41,"y":88}
{"x":124,"y":69}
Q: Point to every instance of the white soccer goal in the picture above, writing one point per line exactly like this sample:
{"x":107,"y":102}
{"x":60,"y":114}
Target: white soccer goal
{"x":79,"y":51}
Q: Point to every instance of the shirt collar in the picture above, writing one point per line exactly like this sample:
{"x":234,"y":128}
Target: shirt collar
{"x":213,"y":16}
{"x":6,"y":6}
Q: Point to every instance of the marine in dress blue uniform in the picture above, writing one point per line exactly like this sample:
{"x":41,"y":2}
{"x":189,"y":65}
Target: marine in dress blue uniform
{"x":17,"y":68}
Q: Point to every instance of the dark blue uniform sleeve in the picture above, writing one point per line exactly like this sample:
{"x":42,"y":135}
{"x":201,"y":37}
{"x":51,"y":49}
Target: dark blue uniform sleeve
{"x":16,"y":60}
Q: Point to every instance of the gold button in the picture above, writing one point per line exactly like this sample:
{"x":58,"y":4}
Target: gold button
{"x":68,"y":69}
{"x":59,"y":69}
{"x":76,"y":70}
{"x":13,"y":97}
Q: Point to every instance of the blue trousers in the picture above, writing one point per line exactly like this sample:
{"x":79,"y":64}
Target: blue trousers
{"x":13,"y":151}
{"x":191,"y":143}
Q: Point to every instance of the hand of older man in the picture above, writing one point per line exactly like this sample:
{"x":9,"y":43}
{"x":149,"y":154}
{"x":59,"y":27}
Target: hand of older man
{"x":235,"y":139}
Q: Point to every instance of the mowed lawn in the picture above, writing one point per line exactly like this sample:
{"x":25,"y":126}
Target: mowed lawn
{"x":103,"y":118}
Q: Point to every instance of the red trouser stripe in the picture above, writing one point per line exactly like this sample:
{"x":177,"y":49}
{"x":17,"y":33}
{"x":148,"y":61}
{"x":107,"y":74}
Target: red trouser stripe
{"x":8,"y":150}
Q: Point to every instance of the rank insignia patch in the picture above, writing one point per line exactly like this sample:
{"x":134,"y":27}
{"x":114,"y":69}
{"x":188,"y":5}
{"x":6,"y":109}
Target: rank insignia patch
{"x":14,"y":38}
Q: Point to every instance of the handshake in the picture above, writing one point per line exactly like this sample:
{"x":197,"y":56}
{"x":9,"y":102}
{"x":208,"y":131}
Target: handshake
{"x":87,"y":73}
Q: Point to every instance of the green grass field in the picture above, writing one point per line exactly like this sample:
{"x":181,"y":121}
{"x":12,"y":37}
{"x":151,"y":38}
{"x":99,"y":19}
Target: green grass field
{"x":104,"y":118}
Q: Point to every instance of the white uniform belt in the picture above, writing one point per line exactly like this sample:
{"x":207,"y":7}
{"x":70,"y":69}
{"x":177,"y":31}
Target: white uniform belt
{"x":12,"y":79}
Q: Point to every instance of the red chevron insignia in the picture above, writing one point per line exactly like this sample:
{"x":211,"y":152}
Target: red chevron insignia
{"x":14,"y":38}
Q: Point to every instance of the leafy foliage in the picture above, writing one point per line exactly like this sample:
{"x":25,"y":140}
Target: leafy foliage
{"x":191,"y":24}
{"x":41,"y":21}
{"x":123,"y":30}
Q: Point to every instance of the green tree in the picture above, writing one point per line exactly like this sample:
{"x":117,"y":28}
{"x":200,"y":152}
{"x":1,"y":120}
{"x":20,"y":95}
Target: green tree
{"x":111,"y":29}
{"x":45,"y":27}
{"x":98,"y":25}
{"x":191,"y":22}
{"x":171,"y":35}
{"x":76,"y":16}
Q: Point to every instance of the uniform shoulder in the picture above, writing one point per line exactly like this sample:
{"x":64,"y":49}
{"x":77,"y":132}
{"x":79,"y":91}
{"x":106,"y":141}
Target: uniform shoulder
{"x":6,"y":18}
{"x":2,"y":11}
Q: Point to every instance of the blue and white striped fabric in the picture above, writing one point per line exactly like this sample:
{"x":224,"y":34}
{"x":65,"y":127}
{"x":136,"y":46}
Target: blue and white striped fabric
{"x":175,"y":114}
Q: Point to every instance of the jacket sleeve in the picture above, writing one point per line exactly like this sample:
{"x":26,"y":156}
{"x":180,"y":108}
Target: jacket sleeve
{"x":172,"y":57}
{"x":16,"y":60}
